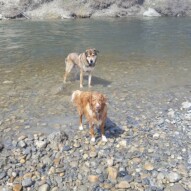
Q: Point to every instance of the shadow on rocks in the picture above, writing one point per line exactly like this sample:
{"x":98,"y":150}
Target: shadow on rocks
{"x":112,"y":129}
{"x":99,"y":81}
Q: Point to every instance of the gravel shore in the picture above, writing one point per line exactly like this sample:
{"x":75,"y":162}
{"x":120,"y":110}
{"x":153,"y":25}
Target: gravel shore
{"x":148,"y":149}
{"x":148,"y":130}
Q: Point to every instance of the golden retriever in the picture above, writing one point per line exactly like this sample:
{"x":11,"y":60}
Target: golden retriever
{"x":93,"y":105}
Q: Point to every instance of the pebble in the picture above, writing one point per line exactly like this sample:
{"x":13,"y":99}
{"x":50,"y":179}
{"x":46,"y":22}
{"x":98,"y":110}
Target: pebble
{"x":93,"y":178}
{"x":44,"y":187}
{"x":17,"y":187}
{"x":123,"y":143}
{"x":27,"y":182}
{"x":112,"y":173}
{"x":177,"y":187}
{"x":148,"y":166}
{"x":93,"y":154}
{"x":173,"y":177}
{"x":186,"y":105}
{"x":123,"y":185}
{"x":41,"y":144}
{"x":156,"y":136}
{"x":8,"y":82}
{"x":2,"y":175}
{"x":110,"y":162}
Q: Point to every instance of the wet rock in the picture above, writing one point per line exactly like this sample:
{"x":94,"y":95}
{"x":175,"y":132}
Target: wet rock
{"x":27,"y":182}
{"x":186,"y":105}
{"x":123,"y":143}
{"x":55,"y":189}
{"x":8,"y":82}
{"x":112,"y":173}
{"x":122,"y":173}
{"x":123,"y":185}
{"x":148,"y":166}
{"x":173,"y":177}
{"x":93,"y":178}
{"x":22,"y":144}
{"x":93,"y":154}
{"x":41,"y":144}
{"x":66,"y":148}
{"x":17,"y":187}
{"x":57,"y":138}
{"x":110,"y":162}
{"x":176,"y":187}
{"x":2,"y":175}
{"x":44,"y":187}
{"x":156,"y":136}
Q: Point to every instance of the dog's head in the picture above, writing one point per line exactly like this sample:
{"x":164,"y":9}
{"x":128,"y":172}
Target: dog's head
{"x":97,"y":101}
{"x":91,"y":56}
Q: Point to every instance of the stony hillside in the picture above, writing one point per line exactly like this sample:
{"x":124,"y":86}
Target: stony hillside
{"x":56,"y":9}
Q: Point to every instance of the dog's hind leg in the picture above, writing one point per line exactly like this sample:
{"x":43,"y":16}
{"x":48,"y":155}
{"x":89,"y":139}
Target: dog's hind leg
{"x":89,"y":80}
{"x":81,"y":78}
{"x":69,"y":66}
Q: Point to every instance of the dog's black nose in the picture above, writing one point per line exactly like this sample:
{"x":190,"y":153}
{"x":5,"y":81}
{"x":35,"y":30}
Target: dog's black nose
{"x":91,"y":61}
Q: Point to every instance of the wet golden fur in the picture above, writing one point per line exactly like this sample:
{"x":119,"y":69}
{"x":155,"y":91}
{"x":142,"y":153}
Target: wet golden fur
{"x":93,"y":105}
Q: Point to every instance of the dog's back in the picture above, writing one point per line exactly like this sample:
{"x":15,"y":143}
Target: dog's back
{"x":80,"y":99}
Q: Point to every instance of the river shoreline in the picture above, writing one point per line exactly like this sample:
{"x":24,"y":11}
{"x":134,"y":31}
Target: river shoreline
{"x":146,"y":78}
{"x":148,"y":144}
{"x":58,"y":9}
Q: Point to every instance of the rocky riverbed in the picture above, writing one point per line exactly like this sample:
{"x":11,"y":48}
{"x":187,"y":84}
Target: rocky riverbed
{"x":140,"y":154}
{"x":59,"y":9}
{"x":149,"y":133}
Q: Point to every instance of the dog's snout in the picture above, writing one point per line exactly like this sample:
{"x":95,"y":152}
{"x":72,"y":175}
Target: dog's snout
{"x":98,"y":106}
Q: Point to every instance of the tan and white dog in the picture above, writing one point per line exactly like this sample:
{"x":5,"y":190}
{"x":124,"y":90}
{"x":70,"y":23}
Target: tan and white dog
{"x":85,"y":61}
{"x":93,"y":105}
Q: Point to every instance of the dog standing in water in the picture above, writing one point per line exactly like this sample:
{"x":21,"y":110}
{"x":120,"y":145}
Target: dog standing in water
{"x":85,"y":61}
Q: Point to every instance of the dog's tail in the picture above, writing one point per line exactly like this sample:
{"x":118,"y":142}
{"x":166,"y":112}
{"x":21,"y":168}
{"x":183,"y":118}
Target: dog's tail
{"x":75,"y":94}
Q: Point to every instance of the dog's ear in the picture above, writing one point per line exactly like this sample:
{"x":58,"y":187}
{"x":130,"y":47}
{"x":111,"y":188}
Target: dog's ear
{"x":96,"y":51}
{"x":86,"y":52}
{"x":104,"y":99}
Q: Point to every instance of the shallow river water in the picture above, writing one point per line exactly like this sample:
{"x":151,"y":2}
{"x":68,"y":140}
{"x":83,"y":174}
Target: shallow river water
{"x":144,"y":68}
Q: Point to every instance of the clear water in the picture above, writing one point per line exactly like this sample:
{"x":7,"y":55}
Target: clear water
{"x":136,"y":55}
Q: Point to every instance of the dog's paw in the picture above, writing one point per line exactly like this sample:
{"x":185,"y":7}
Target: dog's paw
{"x":90,"y":86}
{"x":81,"y":128}
{"x":104,"y":139}
{"x":93,"y":139}
{"x":81,"y":86}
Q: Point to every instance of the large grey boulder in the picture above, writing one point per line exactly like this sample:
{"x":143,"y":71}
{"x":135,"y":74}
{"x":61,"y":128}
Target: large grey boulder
{"x":151,"y":13}
{"x":170,"y":7}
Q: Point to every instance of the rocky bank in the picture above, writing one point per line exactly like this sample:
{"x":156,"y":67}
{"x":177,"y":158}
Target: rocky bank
{"x":140,"y":155}
{"x":64,"y":9}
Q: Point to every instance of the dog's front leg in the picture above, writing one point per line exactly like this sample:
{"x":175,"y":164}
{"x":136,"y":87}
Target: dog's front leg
{"x":104,"y":139}
{"x":92,"y":132}
{"x":89,"y":80}
{"x":81,"y":126}
{"x":81,"y":78}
